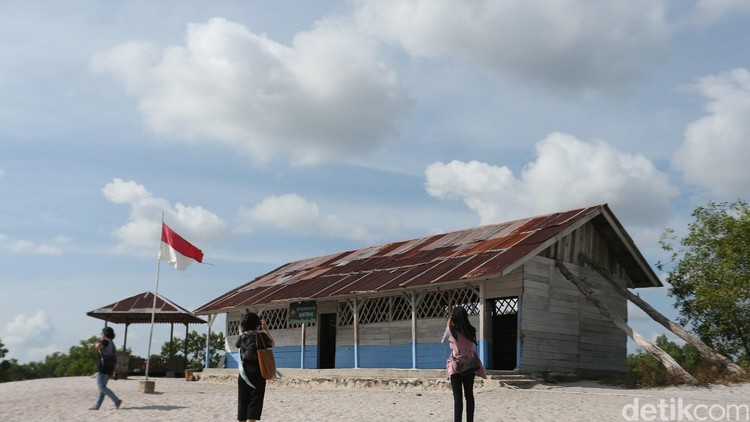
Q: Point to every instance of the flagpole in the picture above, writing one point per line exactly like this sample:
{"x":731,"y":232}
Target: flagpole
{"x":153,"y":309}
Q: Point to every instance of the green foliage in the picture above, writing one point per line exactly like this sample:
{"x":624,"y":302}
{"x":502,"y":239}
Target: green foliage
{"x":710,"y":277}
{"x":646,"y":371}
{"x":80,"y":360}
{"x":3,"y":350}
{"x":196,"y":349}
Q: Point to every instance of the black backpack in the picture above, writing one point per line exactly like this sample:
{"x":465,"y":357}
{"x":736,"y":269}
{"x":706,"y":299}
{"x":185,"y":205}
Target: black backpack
{"x":108,"y":355}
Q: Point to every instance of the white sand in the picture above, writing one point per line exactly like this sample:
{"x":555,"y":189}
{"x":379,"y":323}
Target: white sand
{"x":67,"y":399}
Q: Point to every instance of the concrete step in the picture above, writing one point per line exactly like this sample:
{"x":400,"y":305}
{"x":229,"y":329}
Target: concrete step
{"x":512,"y":379}
{"x":380,"y":378}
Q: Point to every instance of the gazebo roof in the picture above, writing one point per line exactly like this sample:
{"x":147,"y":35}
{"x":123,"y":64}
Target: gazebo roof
{"x":137,"y":310}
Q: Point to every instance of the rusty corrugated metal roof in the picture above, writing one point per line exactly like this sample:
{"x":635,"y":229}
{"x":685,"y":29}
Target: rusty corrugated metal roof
{"x":484,"y":251}
{"x":137,"y":310}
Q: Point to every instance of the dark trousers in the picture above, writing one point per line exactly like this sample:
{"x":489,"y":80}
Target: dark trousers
{"x":465,"y":383}
{"x":250,"y":400}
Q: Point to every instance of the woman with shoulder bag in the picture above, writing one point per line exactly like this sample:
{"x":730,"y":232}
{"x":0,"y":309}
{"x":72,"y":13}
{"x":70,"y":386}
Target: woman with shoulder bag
{"x":251,"y":384}
{"x":106,"y":361}
{"x":461,"y":336}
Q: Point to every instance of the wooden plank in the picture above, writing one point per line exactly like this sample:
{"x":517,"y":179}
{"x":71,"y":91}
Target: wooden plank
{"x":561,"y":303}
{"x":328,"y":307}
{"x":669,"y":363}
{"x":541,"y":328}
{"x":705,"y":351}
{"x":531,"y":335}
{"x":552,"y":349}
{"x":529,"y":283}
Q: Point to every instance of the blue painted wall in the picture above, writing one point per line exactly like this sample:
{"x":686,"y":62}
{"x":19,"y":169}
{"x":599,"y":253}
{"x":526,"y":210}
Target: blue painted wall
{"x":429,"y":356}
{"x":285,"y":356}
{"x":231,"y":359}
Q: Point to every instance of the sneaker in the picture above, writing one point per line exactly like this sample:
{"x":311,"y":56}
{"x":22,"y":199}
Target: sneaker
{"x":93,"y":408}
{"x":118,"y":403}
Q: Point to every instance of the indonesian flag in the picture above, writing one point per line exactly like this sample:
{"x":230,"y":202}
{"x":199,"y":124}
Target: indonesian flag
{"x":177,"y":251}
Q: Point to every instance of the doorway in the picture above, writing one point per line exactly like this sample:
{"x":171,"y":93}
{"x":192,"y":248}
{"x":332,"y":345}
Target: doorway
{"x":504,"y":314}
{"x":327,"y":341}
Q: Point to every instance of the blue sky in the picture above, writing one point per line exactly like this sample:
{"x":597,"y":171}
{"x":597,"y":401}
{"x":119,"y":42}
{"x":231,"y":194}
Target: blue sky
{"x":273,"y":131}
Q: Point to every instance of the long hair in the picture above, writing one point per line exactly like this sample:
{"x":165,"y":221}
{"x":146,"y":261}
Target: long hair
{"x":460,"y":323}
{"x":250,"y":321}
{"x":108,"y":332}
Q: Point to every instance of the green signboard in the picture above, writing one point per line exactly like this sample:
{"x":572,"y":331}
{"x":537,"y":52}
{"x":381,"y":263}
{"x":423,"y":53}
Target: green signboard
{"x":303,"y":312}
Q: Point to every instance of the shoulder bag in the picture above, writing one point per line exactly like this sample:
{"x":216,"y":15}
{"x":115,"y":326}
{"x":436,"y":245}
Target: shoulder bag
{"x":266,"y":361}
{"x":468,"y":365}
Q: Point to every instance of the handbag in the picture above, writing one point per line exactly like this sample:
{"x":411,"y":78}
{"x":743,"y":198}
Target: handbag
{"x":266,"y":361}
{"x":467,"y":365}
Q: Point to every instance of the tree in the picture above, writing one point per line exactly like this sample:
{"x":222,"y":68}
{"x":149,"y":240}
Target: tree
{"x":646,"y":371}
{"x":710,"y":276}
{"x":80,"y":360}
{"x":3,"y":350}
{"x":196,"y":348}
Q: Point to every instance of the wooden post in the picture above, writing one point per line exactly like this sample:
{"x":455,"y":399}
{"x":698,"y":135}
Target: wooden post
{"x":355,"y":309}
{"x":171,"y":338}
{"x":413,"y":330}
{"x":680,"y":375}
{"x":184,"y":346}
{"x":302,"y":352}
{"x":415,"y":299}
{"x":705,"y":351}
{"x":482,"y":334}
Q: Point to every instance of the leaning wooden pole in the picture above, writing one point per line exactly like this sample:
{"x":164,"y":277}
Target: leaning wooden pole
{"x":705,"y":351}
{"x":678,"y":373}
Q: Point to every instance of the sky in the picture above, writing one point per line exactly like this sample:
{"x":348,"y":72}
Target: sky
{"x":267,"y":132}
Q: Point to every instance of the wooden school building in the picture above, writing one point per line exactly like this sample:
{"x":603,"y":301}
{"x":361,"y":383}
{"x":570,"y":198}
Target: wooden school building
{"x":385,"y":306}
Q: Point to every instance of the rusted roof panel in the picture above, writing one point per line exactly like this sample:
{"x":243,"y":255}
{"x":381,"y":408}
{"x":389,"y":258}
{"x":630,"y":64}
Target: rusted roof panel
{"x":241,"y":298}
{"x":433,"y":273}
{"x":461,"y":271}
{"x":305,"y":288}
{"x":369,"y":282}
{"x":138,"y":309}
{"x":500,"y":262}
{"x":392,"y":279}
{"x":465,"y":254}
{"x":339,"y":286}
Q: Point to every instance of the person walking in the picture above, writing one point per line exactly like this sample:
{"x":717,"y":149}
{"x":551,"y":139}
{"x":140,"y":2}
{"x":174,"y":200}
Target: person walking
{"x":251,"y":386}
{"x":461,"y":337}
{"x":105,"y":367}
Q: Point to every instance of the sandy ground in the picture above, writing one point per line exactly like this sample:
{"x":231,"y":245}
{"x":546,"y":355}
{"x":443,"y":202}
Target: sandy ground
{"x":68,"y":399}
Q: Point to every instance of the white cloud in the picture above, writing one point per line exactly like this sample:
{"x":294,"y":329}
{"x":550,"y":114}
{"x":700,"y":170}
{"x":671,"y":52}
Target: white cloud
{"x":28,"y":337}
{"x":294,"y":213}
{"x":2,"y":173}
{"x":575,"y":46}
{"x":62,"y":239}
{"x":568,"y":173}
{"x":196,"y":224}
{"x":325,"y":96}
{"x":27,"y":247}
{"x":715,"y":150}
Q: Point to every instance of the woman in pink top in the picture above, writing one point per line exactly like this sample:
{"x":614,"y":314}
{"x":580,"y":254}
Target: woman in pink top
{"x":461,"y":336}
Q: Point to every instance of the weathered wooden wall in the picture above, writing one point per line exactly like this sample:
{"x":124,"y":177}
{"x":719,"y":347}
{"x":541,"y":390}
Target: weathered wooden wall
{"x":561,"y":331}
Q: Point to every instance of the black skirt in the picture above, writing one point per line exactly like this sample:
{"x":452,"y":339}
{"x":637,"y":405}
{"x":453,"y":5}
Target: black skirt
{"x":250,"y":400}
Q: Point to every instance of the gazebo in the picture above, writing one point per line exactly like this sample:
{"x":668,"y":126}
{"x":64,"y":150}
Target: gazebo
{"x":138,"y":309}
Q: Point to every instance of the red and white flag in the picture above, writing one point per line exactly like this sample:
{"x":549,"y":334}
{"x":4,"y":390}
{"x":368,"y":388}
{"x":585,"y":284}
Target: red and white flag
{"x":177,"y":251}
